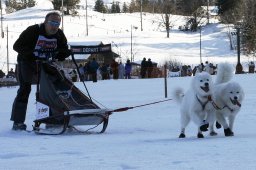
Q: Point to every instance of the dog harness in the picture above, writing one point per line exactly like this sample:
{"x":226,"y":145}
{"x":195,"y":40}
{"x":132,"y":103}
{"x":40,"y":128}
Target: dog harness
{"x":218,"y":108}
{"x":209,"y":98}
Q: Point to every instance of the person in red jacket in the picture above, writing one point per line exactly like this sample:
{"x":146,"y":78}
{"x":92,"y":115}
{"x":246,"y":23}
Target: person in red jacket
{"x":46,"y":36}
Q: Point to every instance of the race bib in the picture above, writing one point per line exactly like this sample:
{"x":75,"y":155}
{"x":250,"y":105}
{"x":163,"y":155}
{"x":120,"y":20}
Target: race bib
{"x":44,"y":46}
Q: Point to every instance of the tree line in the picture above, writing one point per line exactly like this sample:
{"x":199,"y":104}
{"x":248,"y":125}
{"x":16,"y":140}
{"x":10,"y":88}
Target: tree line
{"x":242,"y":14}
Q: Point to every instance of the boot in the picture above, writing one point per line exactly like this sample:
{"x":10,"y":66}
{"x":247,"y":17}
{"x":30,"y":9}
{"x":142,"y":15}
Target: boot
{"x":228,"y":132}
{"x":218,"y":125}
{"x":19,"y":126}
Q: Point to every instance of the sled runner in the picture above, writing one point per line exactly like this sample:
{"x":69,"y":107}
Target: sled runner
{"x":59,"y":103}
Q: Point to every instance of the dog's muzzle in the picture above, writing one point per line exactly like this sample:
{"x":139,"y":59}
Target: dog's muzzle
{"x":235,"y":101}
{"x":205,"y":88}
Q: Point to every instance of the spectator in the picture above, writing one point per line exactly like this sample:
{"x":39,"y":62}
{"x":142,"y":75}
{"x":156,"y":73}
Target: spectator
{"x":128,"y":69}
{"x":200,"y":68}
{"x":114,"y":68}
{"x":81,"y":70}
{"x":11,"y":74}
{"x":93,"y":69}
{"x":143,"y":69}
{"x":209,"y":68}
{"x":189,"y":71}
{"x":194,"y":70}
{"x":87,"y":71}
{"x":121,"y":71}
{"x":184,"y":70}
{"x":104,"y":71}
{"x":149,"y":68}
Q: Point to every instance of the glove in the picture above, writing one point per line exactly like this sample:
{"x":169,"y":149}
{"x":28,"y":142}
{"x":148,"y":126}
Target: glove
{"x":63,"y":53}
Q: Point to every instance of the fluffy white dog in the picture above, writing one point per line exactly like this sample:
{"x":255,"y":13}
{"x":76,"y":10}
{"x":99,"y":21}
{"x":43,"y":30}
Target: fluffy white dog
{"x":196,"y":104}
{"x":227,"y":98}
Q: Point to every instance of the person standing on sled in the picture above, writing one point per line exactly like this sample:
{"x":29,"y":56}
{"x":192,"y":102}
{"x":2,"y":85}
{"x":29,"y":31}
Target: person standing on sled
{"x":45,"y":36}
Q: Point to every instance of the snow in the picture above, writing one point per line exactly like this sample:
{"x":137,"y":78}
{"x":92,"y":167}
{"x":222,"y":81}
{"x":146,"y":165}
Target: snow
{"x":141,"y":138}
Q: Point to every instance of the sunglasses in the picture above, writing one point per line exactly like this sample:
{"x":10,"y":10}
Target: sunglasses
{"x":54,"y":23}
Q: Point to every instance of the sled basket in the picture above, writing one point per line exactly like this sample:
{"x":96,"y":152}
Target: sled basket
{"x":60,"y":102}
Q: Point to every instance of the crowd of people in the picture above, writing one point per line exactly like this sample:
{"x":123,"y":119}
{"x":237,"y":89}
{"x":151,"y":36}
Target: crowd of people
{"x":10,"y":74}
{"x":93,"y":71}
{"x":146,"y":68}
{"x":186,"y":70}
{"x":208,"y":67}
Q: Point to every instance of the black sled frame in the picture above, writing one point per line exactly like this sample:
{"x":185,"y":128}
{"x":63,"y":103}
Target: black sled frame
{"x":67,"y":106}
{"x":72,"y":119}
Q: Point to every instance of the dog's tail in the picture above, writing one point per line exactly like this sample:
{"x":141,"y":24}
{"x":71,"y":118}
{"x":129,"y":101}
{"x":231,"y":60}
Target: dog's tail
{"x":178,"y":95}
{"x":225,"y":73}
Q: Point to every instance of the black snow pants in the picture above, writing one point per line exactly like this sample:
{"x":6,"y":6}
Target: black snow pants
{"x":26,"y":75}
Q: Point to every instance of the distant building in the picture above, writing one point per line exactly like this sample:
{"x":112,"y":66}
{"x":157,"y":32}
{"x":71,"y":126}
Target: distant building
{"x":83,"y":58}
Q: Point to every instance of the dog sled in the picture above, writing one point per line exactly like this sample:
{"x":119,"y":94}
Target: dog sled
{"x":60,"y":105}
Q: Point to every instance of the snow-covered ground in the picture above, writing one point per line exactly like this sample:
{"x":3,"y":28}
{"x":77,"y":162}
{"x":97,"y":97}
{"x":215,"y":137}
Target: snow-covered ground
{"x":141,"y":138}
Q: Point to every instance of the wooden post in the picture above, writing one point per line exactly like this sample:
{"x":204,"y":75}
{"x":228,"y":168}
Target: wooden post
{"x":165,"y":80}
{"x":239,"y":67}
{"x":7,"y":48}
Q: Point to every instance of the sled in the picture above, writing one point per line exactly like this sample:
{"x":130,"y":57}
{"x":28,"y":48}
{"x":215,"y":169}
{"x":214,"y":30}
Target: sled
{"x":61,"y":104}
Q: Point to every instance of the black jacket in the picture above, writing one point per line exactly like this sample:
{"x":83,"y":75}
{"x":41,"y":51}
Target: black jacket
{"x":25,"y":44}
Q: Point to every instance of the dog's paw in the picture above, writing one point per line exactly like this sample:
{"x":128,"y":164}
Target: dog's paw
{"x":204,"y":127}
{"x":218,"y":125}
{"x":228,"y":132}
{"x":213,"y":133}
{"x":182,"y":135}
{"x":200,"y":135}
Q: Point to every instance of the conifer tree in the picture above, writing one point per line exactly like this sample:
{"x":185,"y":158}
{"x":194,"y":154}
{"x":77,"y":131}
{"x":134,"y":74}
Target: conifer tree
{"x":99,"y":6}
{"x":125,"y":8}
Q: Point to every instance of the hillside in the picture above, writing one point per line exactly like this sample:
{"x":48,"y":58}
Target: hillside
{"x":116,"y":29}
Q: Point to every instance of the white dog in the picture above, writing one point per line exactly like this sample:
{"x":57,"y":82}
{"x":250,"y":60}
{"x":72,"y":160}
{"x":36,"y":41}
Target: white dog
{"x":196,"y":104}
{"x":227,"y":98}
